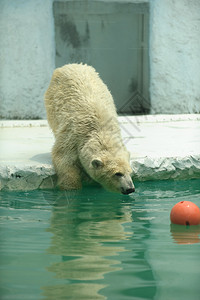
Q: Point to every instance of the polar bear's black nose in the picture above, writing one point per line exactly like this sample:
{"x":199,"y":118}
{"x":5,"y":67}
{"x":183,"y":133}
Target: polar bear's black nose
{"x":128,"y":191}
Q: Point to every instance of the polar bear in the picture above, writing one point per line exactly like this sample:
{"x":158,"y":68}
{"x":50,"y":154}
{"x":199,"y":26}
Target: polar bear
{"x":88,"y":142}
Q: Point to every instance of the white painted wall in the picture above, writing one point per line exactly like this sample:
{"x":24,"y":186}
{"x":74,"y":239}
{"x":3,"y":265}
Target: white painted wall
{"x":26,"y":56}
{"x":175,"y":56}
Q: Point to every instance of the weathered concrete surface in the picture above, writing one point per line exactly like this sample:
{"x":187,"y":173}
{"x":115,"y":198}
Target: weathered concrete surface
{"x":161,"y":146}
{"x":27,"y":56}
{"x":174,"y":56}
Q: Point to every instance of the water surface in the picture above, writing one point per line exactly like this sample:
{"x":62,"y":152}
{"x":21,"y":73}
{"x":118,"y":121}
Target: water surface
{"x":93,"y":244}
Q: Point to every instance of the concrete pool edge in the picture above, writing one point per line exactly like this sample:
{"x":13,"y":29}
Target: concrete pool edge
{"x":122,"y":119}
{"x":34,"y":177}
{"x":29,"y":173}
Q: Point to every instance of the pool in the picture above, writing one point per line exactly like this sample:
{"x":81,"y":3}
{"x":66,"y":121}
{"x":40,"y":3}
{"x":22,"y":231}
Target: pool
{"x":92,"y":244}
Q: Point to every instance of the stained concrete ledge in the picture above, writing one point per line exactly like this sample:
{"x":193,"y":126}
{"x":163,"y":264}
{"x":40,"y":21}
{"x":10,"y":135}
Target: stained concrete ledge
{"x":161,"y":147}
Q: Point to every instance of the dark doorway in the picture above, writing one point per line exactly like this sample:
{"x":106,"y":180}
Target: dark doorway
{"x":113,"y":37}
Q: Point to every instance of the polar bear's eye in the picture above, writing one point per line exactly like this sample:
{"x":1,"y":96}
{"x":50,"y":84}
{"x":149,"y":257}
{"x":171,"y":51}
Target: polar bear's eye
{"x":119,"y":174}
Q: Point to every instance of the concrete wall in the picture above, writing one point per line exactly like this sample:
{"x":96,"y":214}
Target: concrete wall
{"x":27,"y":56}
{"x":175,"y":56}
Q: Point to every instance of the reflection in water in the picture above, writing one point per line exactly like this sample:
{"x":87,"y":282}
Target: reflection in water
{"x":84,"y":235}
{"x":185,"y":234}
{"x":100,"y":245}
{"x":75,"y":291}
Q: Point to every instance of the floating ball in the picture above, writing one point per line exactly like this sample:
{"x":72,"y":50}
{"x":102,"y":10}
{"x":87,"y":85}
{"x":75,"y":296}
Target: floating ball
{"x":185,"y":213}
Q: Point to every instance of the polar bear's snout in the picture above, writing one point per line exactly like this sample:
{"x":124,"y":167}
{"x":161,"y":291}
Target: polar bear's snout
{"x":127,"y":186}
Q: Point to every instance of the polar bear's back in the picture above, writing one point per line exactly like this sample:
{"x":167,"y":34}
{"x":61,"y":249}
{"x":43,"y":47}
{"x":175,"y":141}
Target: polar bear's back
{"x":78,"y":97}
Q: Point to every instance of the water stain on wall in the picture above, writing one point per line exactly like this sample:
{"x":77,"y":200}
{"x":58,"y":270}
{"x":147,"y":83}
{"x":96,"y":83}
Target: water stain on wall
{"x":70,"y":34}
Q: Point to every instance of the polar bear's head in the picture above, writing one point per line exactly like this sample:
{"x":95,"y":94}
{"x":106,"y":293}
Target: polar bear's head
{"x":113,"y":173}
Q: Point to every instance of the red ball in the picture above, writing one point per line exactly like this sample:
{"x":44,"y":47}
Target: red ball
{"x":185,"y":213}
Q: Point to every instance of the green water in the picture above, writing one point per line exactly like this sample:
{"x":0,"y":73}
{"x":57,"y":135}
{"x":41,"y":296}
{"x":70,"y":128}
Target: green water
{"x":93,"y":244}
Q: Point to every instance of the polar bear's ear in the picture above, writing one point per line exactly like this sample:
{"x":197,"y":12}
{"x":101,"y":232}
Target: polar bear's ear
{"x":96,"y":163}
